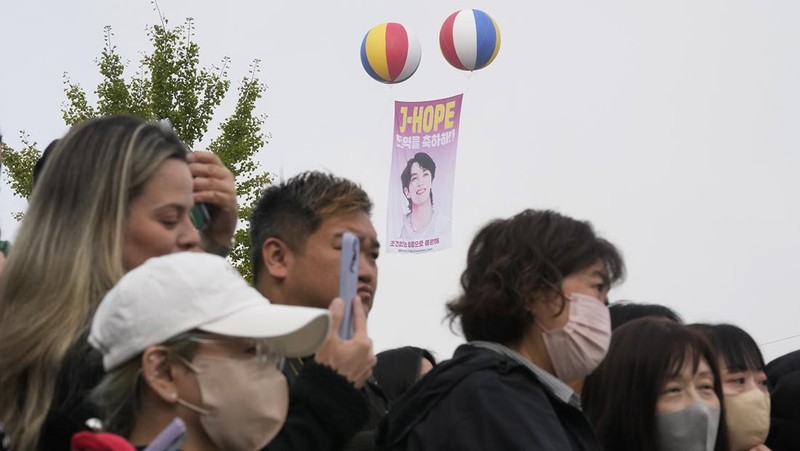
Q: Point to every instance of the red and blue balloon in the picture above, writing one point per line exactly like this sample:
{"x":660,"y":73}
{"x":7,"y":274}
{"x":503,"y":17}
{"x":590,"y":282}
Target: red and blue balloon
{"x":389,"y":53}
{"x":469,"y":39}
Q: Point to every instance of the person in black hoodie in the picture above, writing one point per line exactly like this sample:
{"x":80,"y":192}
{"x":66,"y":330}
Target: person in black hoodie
{"x":533,"y":311}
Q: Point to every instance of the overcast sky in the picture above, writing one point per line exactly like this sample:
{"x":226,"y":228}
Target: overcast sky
{"x":672,"y":126}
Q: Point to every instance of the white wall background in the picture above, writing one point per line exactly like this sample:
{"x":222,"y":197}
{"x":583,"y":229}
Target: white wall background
{"x":672,"y":126}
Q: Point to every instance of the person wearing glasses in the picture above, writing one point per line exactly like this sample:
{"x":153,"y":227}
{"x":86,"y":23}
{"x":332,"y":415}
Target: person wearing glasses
{"x":185,"y":336}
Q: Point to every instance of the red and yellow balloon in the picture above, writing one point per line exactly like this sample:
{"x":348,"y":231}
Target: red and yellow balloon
{"x":390,"y":53}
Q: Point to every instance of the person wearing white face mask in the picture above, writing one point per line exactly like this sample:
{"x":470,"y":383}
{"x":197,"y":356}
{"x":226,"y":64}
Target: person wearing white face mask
{"x":658,"y":389}
{"x":744,"y":384}
{"x":185,"y":336}
{"x":533,"y":310}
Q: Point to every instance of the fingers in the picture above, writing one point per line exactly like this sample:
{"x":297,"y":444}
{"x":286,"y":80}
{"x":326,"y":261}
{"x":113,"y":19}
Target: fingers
{"x":359,"y":318}
{"x":367,"y":369}
{"x":362,"y":380}
{"x":337,"y":313}
{"x":202,"y":156}
{"x":214,"y":184}
{"x":220,"y":199}
{"x":210,"y":174}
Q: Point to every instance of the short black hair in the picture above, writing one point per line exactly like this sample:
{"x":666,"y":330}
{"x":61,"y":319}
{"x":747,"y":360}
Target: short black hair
{"x":515,"y":262}
{"x":734,"y":346}
{"x":399,"y":369}
{"x":294,"y":209}
{"x":624,"y":311}
{"x":39,"y":165}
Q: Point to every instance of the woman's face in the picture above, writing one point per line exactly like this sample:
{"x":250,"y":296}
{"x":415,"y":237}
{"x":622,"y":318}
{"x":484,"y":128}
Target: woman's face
{"x":159,"y":220}
{"x":736,"y":380}
{"x":240,"y":383}
{"x":212,"y":346}
{"x":687,"y":387}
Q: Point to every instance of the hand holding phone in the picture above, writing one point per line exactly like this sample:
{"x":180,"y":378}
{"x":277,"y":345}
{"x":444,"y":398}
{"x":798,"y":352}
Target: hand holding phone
{"x":348,"y":281}
{"x":200,"y":216}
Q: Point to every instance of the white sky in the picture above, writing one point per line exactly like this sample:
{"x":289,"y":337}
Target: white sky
{"x":672,"y":126}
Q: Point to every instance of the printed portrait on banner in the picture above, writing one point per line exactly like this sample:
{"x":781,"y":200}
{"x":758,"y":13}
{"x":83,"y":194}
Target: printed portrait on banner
{"x":422,"y":175}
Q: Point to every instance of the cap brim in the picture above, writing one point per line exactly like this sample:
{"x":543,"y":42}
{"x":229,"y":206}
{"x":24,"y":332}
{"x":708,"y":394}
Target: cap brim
{"x":296,"y":331}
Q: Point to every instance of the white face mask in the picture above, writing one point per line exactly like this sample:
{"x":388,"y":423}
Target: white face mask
{"x":691,"y":429}
{"x":244,"y":403}
{"x":747,"y":417}
{"x":578,"y":348}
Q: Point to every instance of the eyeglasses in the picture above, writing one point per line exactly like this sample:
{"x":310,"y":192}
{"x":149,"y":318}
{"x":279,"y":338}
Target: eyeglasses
{"x":265,"y":354}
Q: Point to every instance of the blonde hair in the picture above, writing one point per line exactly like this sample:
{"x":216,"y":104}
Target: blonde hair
{"x":68,"y":254}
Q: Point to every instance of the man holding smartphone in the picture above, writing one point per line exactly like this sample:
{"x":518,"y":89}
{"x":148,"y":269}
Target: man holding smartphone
{"x":296,"y":233}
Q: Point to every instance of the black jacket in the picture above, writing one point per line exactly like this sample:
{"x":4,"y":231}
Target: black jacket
{"x":482,"y":400}
{"x":784,"y":380}
{"x":81,"y":371}
{"x":326,"y":412}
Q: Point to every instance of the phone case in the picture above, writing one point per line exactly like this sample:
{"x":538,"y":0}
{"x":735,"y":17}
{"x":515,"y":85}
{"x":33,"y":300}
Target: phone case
{"x":170,"y":439}
{"x":348,"y":281}
{"x":200,"y":216}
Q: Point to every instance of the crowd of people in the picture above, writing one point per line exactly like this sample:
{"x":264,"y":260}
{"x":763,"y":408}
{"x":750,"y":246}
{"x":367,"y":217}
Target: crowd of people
{"x":119,"y":314}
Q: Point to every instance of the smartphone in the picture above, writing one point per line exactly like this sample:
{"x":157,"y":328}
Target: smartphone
{"x":200,"y":216}
{"x":348,"y":281}
{"x":170,"y":439}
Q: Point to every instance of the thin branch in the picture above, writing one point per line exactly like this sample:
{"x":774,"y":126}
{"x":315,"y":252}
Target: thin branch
{"x":108,"y":38}
{"x":224,"y":66}
{"x":160,"y":16}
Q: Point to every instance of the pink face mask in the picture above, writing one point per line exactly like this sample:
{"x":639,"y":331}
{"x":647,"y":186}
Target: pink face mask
{"x":578,"y":348}
{"x":244,"y":405}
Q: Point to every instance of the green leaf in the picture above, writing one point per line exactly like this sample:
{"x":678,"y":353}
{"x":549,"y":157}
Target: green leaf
{"x":19,"y":165}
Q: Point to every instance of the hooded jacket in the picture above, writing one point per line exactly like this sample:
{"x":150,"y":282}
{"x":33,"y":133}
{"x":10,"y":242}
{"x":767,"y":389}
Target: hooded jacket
{"x":483,"y":400}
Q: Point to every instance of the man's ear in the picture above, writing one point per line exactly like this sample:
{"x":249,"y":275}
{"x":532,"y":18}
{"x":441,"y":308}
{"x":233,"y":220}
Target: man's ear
{"x":277,"y":258}
{"x":157,"y":374}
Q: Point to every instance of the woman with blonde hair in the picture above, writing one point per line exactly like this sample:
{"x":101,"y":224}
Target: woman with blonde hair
{"x":114,"y":192}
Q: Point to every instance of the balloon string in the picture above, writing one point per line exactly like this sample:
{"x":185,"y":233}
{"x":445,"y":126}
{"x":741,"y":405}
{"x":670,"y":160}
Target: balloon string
{"x":779,"y":340}
{"x":469,"y":82}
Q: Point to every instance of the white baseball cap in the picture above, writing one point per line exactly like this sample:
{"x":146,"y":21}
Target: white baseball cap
{"x":167,"y":296}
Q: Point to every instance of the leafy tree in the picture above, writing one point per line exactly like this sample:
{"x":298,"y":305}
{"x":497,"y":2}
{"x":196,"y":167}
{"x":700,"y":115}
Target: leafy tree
{"x":170,"y":83}
{"x":19,"y":164}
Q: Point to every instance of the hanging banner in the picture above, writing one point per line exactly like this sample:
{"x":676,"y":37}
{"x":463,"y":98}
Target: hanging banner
{"x":423,"y":174}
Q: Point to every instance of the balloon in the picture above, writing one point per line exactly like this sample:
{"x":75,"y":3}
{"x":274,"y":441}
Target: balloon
{"x":389,"y":53}
{"x":469,"y":39}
